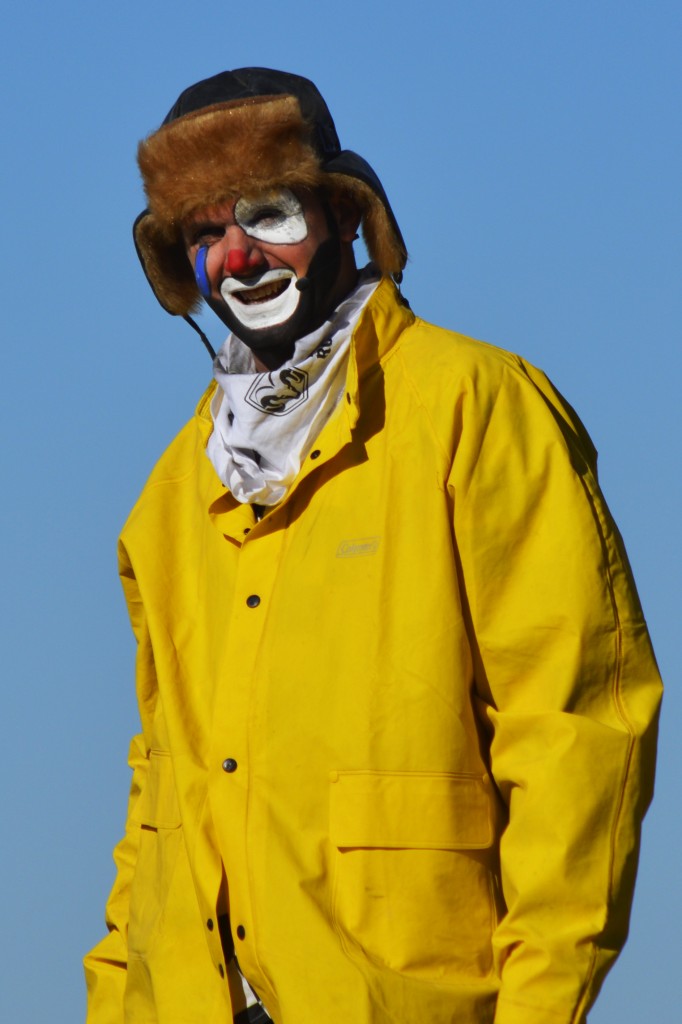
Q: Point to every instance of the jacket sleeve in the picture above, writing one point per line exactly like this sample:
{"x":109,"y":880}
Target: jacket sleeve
{"x":106,"y":964}
{"x":567,"y":690}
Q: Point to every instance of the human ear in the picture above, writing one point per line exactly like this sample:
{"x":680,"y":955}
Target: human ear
{"x":347,"y":216}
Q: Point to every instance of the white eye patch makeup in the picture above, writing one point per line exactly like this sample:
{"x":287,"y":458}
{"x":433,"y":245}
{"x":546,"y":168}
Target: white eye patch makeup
{"x":276,"y":218}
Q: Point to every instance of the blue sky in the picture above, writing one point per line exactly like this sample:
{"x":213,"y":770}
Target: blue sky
{"x":532,"y":155}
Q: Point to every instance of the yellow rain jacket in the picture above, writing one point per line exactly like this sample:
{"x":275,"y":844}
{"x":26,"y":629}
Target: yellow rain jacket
{"x":409,"y":716}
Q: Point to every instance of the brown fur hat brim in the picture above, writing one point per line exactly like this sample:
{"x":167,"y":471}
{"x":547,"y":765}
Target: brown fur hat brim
{"x":217,"y":153}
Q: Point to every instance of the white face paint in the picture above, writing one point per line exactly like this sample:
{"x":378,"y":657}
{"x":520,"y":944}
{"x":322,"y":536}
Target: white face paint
{"x":263,"y":301}
{"x":276,"y":218}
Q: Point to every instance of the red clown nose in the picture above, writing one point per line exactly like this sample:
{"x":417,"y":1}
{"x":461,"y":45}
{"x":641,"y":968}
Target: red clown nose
{"x":237,"y":261}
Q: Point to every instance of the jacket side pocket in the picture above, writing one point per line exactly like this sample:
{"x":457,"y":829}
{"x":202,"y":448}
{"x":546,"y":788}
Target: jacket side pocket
{"x":157,"y":815}
{"x":413,"y":870}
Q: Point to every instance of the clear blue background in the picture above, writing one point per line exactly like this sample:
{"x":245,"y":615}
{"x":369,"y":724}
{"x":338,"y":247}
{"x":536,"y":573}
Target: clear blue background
{"x":532,"y":154}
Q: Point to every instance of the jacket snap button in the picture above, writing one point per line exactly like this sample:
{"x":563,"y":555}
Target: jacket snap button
{"x":241,"y":931}
{"x":316,"y":454}
{"x":253,"y":600}
{"x":229,"y":765}
{"x":221,"y":970}
{"x":209,"y":924}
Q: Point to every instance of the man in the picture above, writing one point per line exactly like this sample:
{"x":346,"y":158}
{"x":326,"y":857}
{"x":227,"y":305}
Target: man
{"x":397,"y":695}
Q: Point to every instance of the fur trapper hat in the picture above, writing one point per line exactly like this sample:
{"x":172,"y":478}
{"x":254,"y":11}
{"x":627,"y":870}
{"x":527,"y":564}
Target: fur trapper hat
{"x":242,"y":133}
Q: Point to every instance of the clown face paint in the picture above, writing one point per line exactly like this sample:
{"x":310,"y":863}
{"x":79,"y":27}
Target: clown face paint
{"x":203,"y":283}
{"x":267,"y":266}
{"x":263,"y":302}
{"x":276,"y":218}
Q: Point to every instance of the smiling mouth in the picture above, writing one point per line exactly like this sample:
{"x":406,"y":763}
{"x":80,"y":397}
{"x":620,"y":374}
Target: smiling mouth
{"x":262,"y":301}
{"x":272,"y":290}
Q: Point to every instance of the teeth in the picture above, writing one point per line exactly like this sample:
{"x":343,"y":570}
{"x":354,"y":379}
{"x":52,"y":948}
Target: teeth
{"x":263,"y":301}
{"x":262,"y":294}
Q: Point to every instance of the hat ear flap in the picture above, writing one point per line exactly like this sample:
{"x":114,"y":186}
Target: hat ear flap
{"x":382,"y":237}
{"x":166,"y":266}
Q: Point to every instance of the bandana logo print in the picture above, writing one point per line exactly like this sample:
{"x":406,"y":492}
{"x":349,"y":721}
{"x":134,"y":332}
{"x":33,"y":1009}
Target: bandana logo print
{"x":324,"y":349}
{"x":279,"y":392}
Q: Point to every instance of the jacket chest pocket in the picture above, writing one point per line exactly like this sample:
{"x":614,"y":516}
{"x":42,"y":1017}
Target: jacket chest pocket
{"x":413,"y":882}
{"x":157,"y":816}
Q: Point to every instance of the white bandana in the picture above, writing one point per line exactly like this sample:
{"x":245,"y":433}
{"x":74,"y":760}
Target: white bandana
{"x":264,"y":424}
